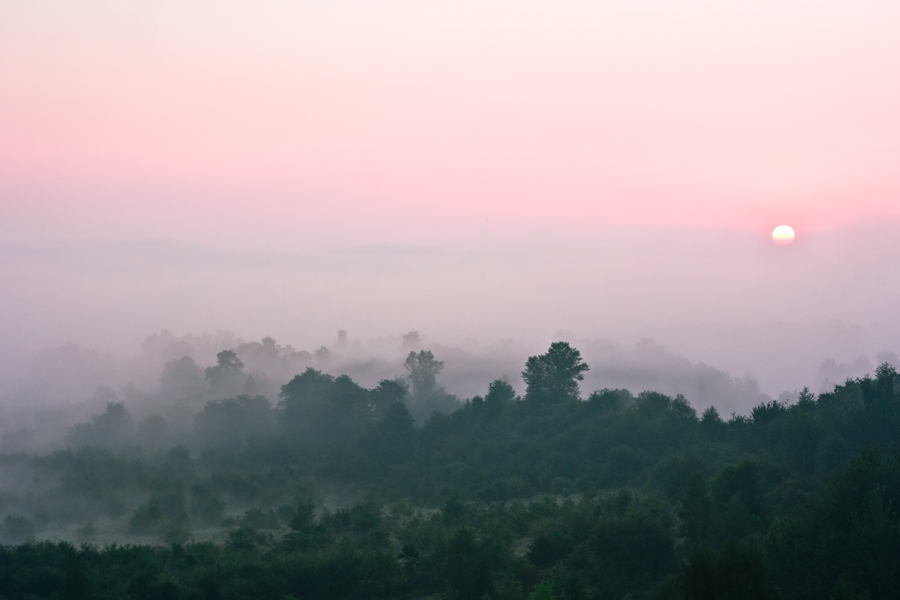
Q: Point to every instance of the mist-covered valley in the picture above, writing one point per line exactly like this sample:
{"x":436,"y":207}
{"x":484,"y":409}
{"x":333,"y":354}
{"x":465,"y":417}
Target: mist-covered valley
{"x":409,"y":300}
{"x":536,"y":472}
{"x":168,"y":378}
{"x":729,"y":387}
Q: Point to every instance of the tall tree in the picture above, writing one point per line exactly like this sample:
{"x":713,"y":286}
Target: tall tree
{"x":423,"y":370}
{"x":553,"y":377}
{"x":500,"y":394}
{"x":228,"y":372}
{"x":303,"y":403}
{"x":181,"y":378}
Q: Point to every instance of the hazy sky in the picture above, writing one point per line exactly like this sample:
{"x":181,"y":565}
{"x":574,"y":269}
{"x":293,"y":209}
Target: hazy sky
{"x":482,"y":169}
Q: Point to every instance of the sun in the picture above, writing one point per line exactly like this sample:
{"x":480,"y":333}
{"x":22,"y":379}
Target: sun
{"x":783,"y":235}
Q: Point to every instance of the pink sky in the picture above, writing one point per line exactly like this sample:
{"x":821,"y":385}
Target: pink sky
{"x":255,"y":147}
{"x":210,"y":120}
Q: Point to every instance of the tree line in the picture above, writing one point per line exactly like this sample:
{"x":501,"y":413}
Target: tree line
{"x":548,"y":495}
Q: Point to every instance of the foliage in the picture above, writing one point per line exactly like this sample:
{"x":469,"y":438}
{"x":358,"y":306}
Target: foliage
{"x":549,"y":496}
{"x":228,"y":373}
{"x":553,"y":376}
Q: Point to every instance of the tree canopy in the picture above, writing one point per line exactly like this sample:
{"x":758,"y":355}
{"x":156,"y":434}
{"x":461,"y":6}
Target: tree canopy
{"x":553,"y":377}
{"x":337,"y":492}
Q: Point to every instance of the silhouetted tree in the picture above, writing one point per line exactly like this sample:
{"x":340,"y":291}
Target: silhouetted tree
{"x":228,"y":373}
{"x":553,"y":377}
{"x":112,"y":429}
{"x":318,"y":409}
{"x":500,"y":394}
{"x":711,"y":418}
{"x":388,"y":392}
{"x":423,"y":370}
{"x":881,"y":400}
{"x":181,"y":378}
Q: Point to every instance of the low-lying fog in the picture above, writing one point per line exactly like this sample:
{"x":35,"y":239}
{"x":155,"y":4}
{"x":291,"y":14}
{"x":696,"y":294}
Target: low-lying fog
{"x":724,"y":317}
{"x":166,"y":375}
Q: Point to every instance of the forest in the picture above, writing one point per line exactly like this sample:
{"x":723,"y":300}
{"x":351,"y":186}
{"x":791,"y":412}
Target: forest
{"x":336,"y":490}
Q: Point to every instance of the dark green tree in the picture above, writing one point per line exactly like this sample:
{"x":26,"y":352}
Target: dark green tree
{"x":711,"y":418}
{"x":465,"y":569}
{"x":695,"y":510}
{"x":737,"y":573}
{"x":302,"y":402}
{"x":321,"y":410}
{"x":881,"y":401}
{"x":738,"y":493}
{"x":392,"y":440}
{"x":388,"y":392}
{"x":500,"y":394}
{"x":553,"y":377}
{"x":76,"y":585}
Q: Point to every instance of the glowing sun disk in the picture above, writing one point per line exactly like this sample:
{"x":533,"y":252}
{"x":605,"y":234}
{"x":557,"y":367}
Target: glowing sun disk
{"x":783,"y":235}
